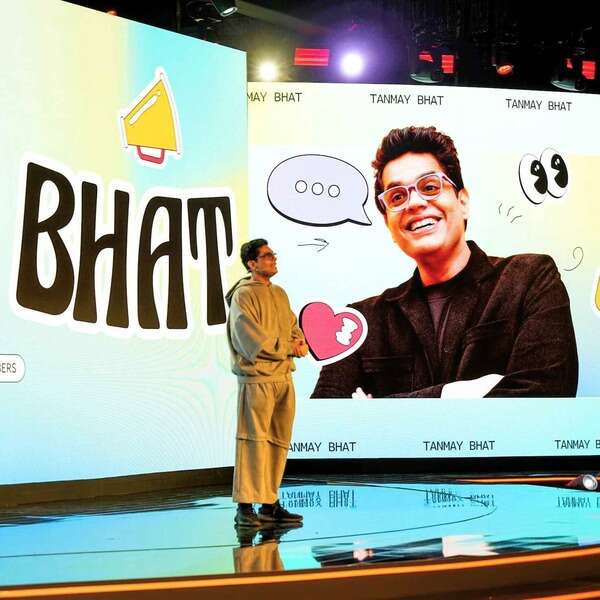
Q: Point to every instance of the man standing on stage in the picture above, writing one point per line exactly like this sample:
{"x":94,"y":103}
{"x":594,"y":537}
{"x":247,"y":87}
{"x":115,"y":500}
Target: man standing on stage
{"x":263,"y":337}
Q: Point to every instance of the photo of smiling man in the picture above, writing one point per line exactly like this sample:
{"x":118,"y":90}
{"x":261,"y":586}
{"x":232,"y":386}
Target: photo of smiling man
{"x":465,"y":324}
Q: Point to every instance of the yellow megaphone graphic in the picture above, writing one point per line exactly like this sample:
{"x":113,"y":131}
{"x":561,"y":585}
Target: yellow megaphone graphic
{"x":150,"y":124}
{"x":597,"y":295}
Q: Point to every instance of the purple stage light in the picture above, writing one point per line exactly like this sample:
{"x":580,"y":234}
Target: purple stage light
{"x":352,"y":64}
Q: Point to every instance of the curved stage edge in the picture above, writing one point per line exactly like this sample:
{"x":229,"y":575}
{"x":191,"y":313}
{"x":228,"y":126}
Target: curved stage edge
{"x":438,"y":578}
{"x":378,"y":537}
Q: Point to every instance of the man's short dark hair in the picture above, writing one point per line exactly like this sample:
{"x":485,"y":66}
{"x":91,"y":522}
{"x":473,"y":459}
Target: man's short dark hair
{"x":419,"y":140}
{"x":249,"y":250}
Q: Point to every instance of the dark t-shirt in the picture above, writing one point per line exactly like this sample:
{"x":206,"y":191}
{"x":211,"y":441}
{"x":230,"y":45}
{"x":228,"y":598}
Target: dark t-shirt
{"x":439,"y":298}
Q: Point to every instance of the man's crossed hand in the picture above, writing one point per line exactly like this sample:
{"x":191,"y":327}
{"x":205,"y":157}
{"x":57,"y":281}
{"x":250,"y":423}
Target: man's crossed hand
{"x":299,"y":348}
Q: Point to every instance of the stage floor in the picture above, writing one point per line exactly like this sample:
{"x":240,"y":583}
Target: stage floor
{"x":349,"y":521}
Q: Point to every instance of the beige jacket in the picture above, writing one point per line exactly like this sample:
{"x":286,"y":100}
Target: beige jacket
{"x":260,"y":329}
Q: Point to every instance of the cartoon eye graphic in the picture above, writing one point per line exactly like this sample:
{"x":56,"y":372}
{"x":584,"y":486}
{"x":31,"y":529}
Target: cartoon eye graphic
{"x":533,"y":178}
{"x":556,"y":171}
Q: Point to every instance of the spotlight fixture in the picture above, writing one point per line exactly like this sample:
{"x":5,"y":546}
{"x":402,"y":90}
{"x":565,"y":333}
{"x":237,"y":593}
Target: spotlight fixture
{"x":267,"y":71}
{"x":584,"y":482}
{"x":210,"y":10}
{"x":225,"y":7}
{"x":504,"y":70}
{"x":577,"y":66}
{"x":432,"y":65}
{"x":503,"y":59}
{"x":568,"y":74}
{"x":352,"y":64}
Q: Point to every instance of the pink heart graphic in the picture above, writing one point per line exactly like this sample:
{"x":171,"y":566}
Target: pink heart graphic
{"x":332,"y":336}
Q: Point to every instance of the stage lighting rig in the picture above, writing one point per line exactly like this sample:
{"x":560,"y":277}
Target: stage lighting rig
{"x":352,"y":65}
{"x":576,"y":67}
{"x":210,"y":10}
{"x":573,"y":73}
{"x":504,"y":59}
{"x":433,"y":57}
{"x":584,"y":482}
{"x":433,"y":65}
{"x":225,"y":7}
{"x":268,"y":71}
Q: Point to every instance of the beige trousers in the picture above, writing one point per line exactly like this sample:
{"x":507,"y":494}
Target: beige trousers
{"x":264,"y":431}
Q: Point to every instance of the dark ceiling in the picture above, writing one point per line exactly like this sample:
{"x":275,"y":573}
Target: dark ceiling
{"x":538,"y":34}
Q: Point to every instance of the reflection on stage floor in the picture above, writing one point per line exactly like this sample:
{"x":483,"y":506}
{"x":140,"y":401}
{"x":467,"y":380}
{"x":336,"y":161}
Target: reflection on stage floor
{"x":346,"y":522}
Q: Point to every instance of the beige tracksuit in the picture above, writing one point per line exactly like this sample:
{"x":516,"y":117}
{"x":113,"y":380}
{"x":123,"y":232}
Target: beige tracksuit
{"x":261,"y":328}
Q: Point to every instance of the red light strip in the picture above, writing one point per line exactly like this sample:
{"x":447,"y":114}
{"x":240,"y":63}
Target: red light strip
{"x":311,"y":57}
{"x":588,"y":69}
{"x":448,"y":64}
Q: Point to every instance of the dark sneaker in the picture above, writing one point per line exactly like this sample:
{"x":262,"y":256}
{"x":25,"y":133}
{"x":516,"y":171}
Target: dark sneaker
{"x":246,"y":517}
{"x":276,"y":512}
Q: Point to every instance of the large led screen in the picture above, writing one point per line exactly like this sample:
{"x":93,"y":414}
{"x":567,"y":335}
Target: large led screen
{"x":529,"y":164}
{"x":135,"y":163}
{"x":124,"y":156}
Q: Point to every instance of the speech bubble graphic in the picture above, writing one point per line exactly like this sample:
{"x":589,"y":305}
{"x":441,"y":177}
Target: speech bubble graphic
{"x":332,"y":335}
{"x":314,"y":189}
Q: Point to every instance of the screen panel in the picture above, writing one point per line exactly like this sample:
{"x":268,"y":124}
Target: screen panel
{"x":124,"y":184}
{"x":334,"y":246}
{"x":126,"y":200}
